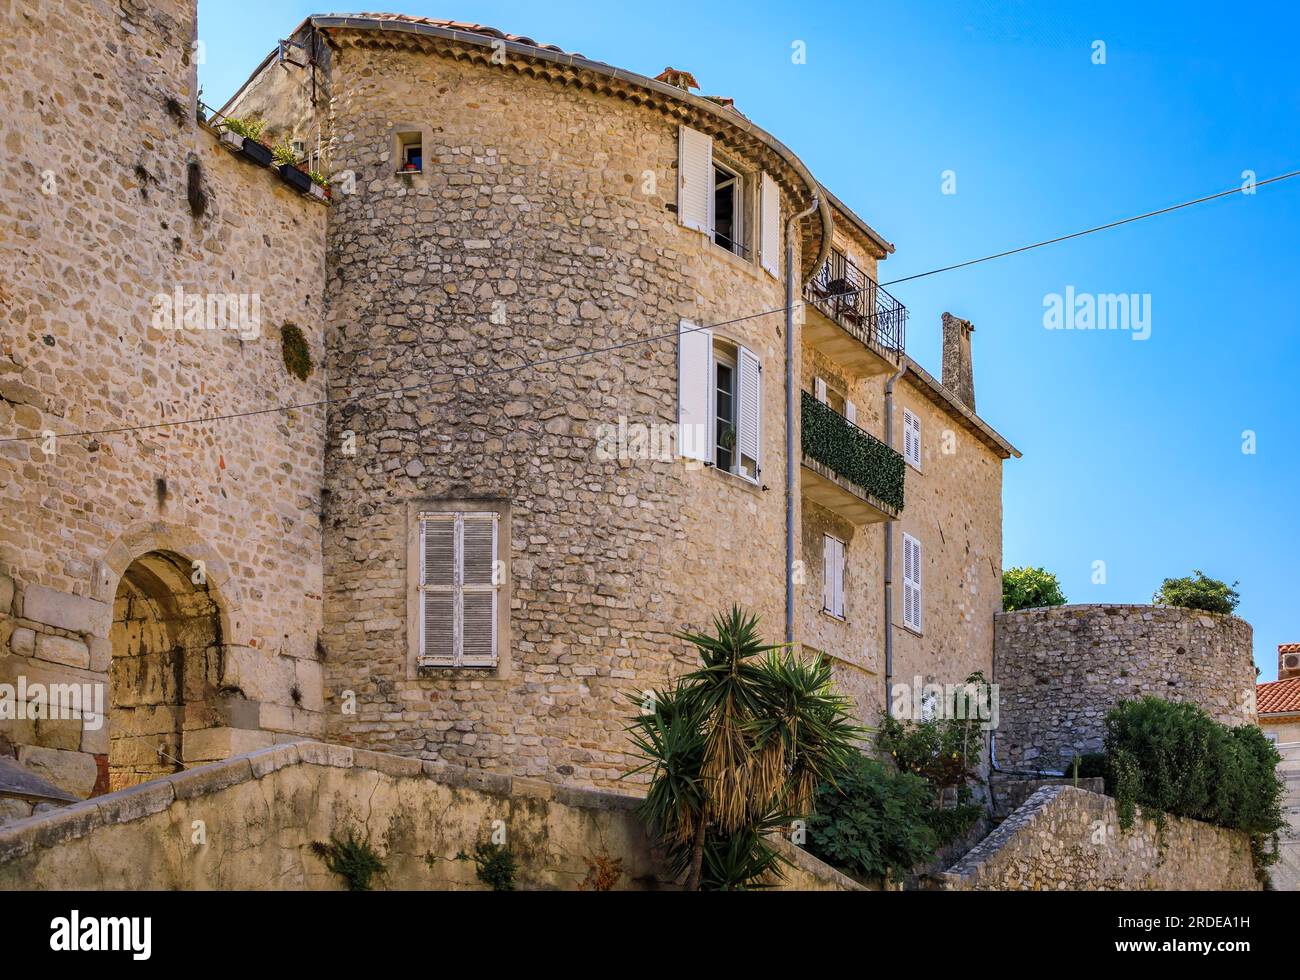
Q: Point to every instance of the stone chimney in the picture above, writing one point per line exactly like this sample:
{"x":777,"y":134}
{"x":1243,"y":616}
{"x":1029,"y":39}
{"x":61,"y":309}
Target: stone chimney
{"x":958,"y":376}
{"x":1288,"y":660}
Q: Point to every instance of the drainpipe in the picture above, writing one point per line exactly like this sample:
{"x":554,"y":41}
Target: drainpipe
{"x":791,"y":466}
{"x":889,"y":546}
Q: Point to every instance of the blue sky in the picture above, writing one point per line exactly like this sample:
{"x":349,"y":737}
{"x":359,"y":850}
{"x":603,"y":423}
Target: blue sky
{"x":1132,"y":449}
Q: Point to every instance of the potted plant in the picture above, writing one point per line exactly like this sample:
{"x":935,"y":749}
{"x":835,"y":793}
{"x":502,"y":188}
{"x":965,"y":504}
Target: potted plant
{"x":286,"y":160}
{"x":320,"y":185}
{"x":247,"y":139}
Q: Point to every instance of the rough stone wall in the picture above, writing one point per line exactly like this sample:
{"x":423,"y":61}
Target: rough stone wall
{"x":1067,"y":839}
{"x":1061,"y":668}
{"x":100,"y":142}
{"x":261,"y":811}
{"x":531,"y":208}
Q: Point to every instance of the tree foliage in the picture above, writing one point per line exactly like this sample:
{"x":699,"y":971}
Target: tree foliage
{"x":1029,"y":588}
{"x":1198,"y":591}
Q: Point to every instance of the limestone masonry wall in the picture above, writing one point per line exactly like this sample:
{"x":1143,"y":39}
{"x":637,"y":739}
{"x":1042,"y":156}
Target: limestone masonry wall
{"x":111,"y":196}
{"x":1070,"y":839}
{"x":1061,"y":668}
{"x":261,"y":811}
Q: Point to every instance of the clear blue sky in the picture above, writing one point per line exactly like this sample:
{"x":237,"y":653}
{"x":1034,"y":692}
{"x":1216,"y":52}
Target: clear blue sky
{"x":1132,"y":449}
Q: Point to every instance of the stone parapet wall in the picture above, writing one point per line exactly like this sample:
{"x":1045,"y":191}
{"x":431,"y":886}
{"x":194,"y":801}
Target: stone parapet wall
{"x":1061,"y":668}
{"x":1065,"y":838}
{"x":260,"y":813}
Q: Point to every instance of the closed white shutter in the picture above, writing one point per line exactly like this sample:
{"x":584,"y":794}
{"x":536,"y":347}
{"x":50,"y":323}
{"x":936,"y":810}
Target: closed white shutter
{"x":833,"y":575}
{"x":911,"y":582}
{"x":911,"y":438}
{"x":770,"y":233}
{"x":694,"y":179}
{"x":819,"y":389}
{"x":851,"y":411}
{"x":694,"y":392}
{"x":478,"y":590}
{"x":458,"y":590}
{"x":438,"y":590}
{"x":749,"y":414}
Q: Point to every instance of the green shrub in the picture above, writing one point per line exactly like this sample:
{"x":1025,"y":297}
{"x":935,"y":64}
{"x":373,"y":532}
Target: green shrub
{"x":1198,"y":591}
{"x":875,"y":822}
{"x":494,"y":865}
{"x":945,"y":753}
{"x":1175,"y":759}
{"x":1029,"y":588}
{"x":354,"y":861}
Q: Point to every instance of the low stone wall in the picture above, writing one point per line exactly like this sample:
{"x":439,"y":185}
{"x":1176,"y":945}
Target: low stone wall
{"x":249,"y":822}
{"x":1059,"y":669}
{"x":1065,"y":838}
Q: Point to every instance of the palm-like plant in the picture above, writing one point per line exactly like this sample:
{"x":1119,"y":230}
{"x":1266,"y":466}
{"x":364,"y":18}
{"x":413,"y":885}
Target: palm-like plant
{"x":736,"y":750}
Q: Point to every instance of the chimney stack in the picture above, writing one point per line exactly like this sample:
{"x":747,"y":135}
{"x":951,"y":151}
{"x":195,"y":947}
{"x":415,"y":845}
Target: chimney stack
{"x":958,"y":375}
{"x":1288,"y":660}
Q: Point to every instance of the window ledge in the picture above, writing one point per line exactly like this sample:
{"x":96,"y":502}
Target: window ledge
{"x":735,"y":479}
{"x":911,"y":629}
{"x":830,"y":615}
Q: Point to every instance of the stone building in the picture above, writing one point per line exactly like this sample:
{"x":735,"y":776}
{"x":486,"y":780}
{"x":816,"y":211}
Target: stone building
{"x":555,"y":308}
{"x":1279,"y":717}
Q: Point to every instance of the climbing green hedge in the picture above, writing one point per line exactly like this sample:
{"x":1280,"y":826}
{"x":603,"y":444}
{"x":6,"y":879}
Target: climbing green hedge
{"x":853,"y":454}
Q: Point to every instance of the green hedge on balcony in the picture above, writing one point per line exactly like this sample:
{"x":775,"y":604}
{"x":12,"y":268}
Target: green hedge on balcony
{"x":855,"y":455}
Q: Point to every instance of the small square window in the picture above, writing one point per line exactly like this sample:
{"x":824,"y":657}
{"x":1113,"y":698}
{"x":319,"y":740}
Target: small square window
{"x":412,"y":155}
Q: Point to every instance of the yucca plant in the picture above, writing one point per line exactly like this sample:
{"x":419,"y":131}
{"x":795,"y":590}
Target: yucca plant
{"x":736,"y":750}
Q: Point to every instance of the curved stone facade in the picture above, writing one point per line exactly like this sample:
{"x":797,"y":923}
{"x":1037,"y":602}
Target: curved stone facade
{"x":530,"y":233}
{"x":1061,"y":668}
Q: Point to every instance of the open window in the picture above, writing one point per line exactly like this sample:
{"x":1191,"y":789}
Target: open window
{"x":729,"y":209}
{"x":720,"y":402}
{"x":411,"y":153}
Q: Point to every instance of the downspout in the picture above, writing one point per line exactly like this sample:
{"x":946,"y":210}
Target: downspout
{"x":791,"y":464}
{"x":889,"y":547}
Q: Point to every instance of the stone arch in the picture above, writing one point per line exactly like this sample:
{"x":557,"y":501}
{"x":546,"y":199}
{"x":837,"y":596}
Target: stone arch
{"x":170,"y":628}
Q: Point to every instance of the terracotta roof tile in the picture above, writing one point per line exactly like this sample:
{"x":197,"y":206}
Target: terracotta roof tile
{"x":1288,"y":648}
{"x":1277,"y":697}
{"x":459,"y":25}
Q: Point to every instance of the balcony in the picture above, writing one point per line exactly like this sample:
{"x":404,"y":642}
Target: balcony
{"x":846,"y":470}
{"x":852,"y":320}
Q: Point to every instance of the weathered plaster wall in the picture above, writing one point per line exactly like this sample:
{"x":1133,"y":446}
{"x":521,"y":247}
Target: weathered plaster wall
{"x":99,"y":137}
{"x":260,"y":813}
{"x":1061,"y":668}
{"x":1064,"y":838}
{"x":1286,"y":873}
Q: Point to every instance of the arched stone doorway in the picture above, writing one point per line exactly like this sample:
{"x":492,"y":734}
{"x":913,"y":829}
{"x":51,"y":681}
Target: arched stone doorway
{"x":166,"y":666}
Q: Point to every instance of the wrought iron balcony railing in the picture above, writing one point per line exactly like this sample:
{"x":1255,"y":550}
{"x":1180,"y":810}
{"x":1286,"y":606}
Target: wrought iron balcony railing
{"x":847,"y":294}
{"x":852,"y":453}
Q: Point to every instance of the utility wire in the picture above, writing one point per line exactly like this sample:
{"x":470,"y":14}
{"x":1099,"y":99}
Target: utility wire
{"x":612,"y":347}
{"x":1089,"y":231}
{"x":575,"y":355}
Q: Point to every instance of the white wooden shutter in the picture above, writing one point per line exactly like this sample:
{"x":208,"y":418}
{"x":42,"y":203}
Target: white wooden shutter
{"x":911,"y":438}
{"x":770,"y":233}
{"x":819,"y":389}
{"x":458,"y":590}
{"x":749,"y":411}
{"x":833,"y":575}
{"x":694,"y":179}
{"x":911,"y":582}
{"x":851,"y":411}
{"x":437,"y":590}
{"x":694,"y":392}
{"x":478,"y":592}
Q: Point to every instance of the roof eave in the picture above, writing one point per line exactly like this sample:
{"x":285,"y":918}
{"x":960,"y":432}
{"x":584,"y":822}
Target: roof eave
{"x":950,"y":403}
